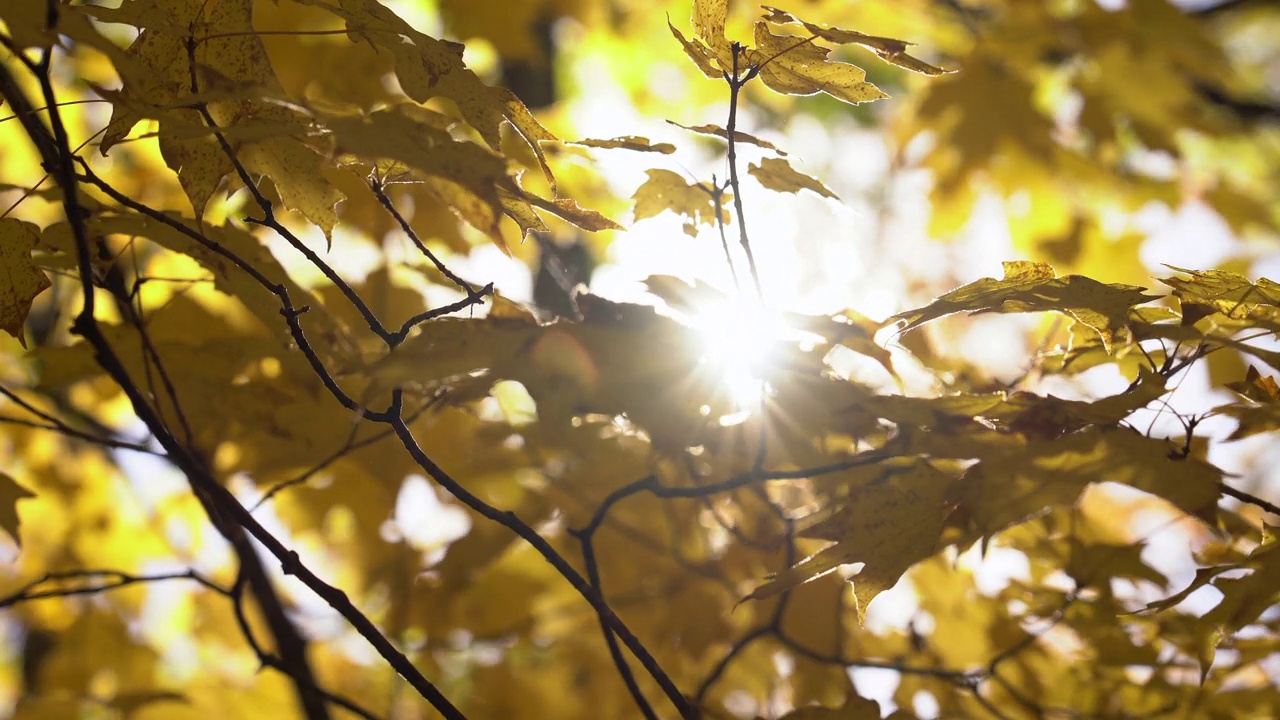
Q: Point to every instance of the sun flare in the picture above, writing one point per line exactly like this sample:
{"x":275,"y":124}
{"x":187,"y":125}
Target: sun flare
{"x":739,"y":340}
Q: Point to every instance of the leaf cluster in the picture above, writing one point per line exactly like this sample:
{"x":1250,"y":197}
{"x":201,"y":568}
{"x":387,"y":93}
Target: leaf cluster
{"x":254,"y":481}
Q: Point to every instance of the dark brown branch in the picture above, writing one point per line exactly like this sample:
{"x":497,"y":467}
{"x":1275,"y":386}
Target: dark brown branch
{"x":512,"y":522}
{"x":379,"y":189}
{"x":1245,"y":497}
{"x":60,"y":163}
{"x":736,"y":82}
{"x":473,"y":298}
{"x":723,"y":664}
{"x":109,"y":580}
{"x":273,"y":661}
{"x":288,"y":559}
{"x":394,"y":417}
{"x":269,"y":219}
{"x":349,"y":445}
{"x":288,"y":310}
{"x":611,"y":640}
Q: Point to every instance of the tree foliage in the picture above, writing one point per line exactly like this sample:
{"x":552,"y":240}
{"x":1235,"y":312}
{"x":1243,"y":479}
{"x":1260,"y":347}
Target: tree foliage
{"x":267,"y":451}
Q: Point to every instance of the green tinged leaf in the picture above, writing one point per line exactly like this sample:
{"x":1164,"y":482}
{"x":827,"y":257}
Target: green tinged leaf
{"x":891,"y":51}
{"x":796,"y":66}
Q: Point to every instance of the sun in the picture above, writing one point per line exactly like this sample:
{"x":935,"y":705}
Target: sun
{"x":739,"y":340}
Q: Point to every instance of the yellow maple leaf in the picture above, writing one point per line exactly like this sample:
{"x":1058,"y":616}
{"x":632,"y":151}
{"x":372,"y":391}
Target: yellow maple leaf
{"x":20,"y":281}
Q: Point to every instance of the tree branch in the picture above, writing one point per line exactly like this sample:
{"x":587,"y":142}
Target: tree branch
{"x":736,"y":82}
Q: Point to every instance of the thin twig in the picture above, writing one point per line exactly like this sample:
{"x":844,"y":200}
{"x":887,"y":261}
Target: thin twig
{"x":349,"y":445}
{"x":56,"y":425}
{"x":717,"y":200}
{"x":379,"y":190}
{"x":651,"y":484}
{"x":70,"y":432}
{"x":736,"y":82}
{"x":268,"y":213}
{"x":611,"y":640}
{"x":1245,"y":497}
{"x":107,"y":580}
{"x":473,"y":298}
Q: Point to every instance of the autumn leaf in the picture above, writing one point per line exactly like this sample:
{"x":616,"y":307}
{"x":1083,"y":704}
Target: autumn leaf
{"x":20,"y":281}
{"x":1262,"y":413}
{"x":427,"y":67}
{"x":1245,"y":598}
{"x":296,"y":170}
{"x":629,"y":142}
{"x":26,"y":23}
{"x":464,"y":176}
{"x":666,"y":190}
{"x":569,"y":210}
{"x":1256,"y":387}
{"x":738,"y":135}
{"x":709,"y":18}
{"x":891,"y":51}
{"x":1010,"y":486}
{"x":10,"y":493}
{"x":503,"y":516}
{"x":699,"y":53}
{"x":1226,"y":292}
{"x":1035,"y":287}
{"x":888,"y":527}
{"x":795,"y":66}
{"x":226,"y":50}
{"x":777,"y":174}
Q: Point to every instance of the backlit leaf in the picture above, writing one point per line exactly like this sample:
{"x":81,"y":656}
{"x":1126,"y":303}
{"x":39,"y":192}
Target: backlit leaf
{"x":796,"y":66}
{"x":1229,"y":293}
{"x":699,"y":53}
{"x":891,"y":51}
{"x":427,"y":68}
{"x":20,"y":281}
{"x":888,"y":526}
{"x":1034,"y":287}
{"x":738,"y":135}
{"x":629,"y":142}
{"x":777,"y":174}
{"x":1008,"y":487}
{"x":666,"y":190}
